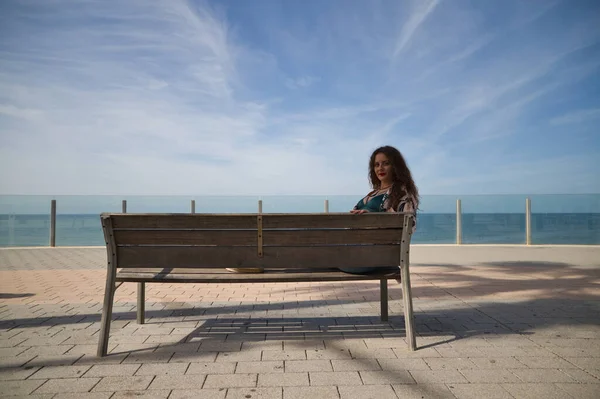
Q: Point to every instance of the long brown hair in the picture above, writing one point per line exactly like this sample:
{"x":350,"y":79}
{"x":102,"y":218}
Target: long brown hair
{"x":401,"y":176}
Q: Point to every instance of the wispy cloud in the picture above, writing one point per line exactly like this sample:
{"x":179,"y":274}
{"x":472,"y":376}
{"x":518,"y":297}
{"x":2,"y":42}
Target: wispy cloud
{"x":207,"y":97}
{"x":301,"y":82}
{"x":422,"y":9}
{"x":579,"y":116}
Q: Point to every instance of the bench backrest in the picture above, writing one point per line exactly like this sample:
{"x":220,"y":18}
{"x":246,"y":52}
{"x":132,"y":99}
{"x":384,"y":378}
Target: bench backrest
{"x":321,"y":240}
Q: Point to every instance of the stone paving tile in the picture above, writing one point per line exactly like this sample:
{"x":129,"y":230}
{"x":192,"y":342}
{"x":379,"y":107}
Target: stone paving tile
{"x":162,"y":369}
{"x":48,"y":350}
{"x":263,"y":345}
{"x":230,"y":380}
{"x":582,"y":376}
{"x":95,"y":360}
{"x":513,"y":352}
{"x":335,"y":378}
{"x":12,"y":342}
{"x":148,"y":357}
{"x":463,"y":352}
{"x":197,"y":357}
{"x":403,"y":364}
{"x":283,"y":380}
{"x":423,"y":391}
{"x":148,"y":329}
{"x":116,"y":384}
{"x":112,"y":370}
{"x":249,"y":356}
{"x":40,"y":396}
{"x":20,"y":373}
{"x":54,"y":360}
{"x":254,"y":393}
{"x":534,"y":391}
{"x":347,"y":343}
{"x":585,"y":362}
{"x":283,"y":355}
{"x":310,"y":392}
{"x":511,"y":342}
{"x":486,"y":376}
{"x":60,"y":372}
{"x":450,"y":363}
{"x":132,"y":348}
{"x":88,"y":349}
{"x":542,"y":375}
{"x":211,"y":368}
{"x":580,"y":391}
{"x":83,"y":395}
{"x":268,"y":366}
{"x":386,"y":377}
{"x":379,"y":353}
{"x":367,"y":392}
{"x":420,"y":353}
{"x":198,"y":393}
{"x":328,"y":354}
{"x":479,"y":391}
{"x":20,"y":387}
{"x":216,"y":346}
{"x":296,"y":366}
{"x":355,"y":364}
{"x":169,"y":340}
{"x":375,"y":343}
{"x":575,"y":352}
{"x":154,"y":394}
{"x":545,"y":363}
{"x":309,"y":344}
{"x":177,"y":347}
{"x":64,"y":385}
{"x":15,"y":351}
{"x":437,"y":376}
{"x":497,"y":363}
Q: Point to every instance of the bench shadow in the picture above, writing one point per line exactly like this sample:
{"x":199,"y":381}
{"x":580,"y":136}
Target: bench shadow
{"x":452,"y":303}
{"x":218,"y":332}
{"x":13,"y":295}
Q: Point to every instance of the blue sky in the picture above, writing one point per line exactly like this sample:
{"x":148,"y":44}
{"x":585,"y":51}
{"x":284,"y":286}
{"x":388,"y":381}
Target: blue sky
{"x":288,"y":97}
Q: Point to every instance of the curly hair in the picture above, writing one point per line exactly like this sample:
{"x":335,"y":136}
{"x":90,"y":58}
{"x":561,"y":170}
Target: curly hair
{"x":401,"y":176}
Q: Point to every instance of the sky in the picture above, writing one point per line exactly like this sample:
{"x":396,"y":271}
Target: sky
{"x":268,"y":97}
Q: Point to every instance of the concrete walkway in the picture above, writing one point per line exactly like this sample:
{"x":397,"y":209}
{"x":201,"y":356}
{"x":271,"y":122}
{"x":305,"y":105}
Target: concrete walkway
{"x":492,"y":322}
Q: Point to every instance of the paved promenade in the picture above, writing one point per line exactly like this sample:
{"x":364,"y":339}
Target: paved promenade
{"x":492,"y":322}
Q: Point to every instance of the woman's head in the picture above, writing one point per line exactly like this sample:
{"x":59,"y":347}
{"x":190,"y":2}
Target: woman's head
{"x":387,"y":166}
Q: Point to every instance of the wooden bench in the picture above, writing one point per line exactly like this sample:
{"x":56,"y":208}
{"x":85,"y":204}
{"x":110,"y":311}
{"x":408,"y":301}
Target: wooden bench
{"x":196,"y":248}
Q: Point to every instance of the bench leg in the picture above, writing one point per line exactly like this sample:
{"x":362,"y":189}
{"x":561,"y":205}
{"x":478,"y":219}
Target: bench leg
{"x":141,"y":302}
{"x":109,"y":296}
{"x":383,"y":289}
{"x":408,"y":309}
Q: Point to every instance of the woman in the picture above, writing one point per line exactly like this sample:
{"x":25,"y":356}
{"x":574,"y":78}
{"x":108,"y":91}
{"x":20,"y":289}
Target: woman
{"x":393,"y":190}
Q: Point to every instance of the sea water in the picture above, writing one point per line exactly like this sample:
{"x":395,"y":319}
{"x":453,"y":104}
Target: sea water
{"x":493,"y":219}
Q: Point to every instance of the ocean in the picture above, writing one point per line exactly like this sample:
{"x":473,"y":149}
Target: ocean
{"x":556,"y":219}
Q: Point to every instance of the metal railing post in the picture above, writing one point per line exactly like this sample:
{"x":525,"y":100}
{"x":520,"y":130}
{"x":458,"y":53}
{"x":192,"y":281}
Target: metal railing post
{"x":124,"y":206}
{"x":11,"y":229}
{"x":53,"y":223}
{"x":528,"y":221}
{"x":193,"y":206}
{"x":458,"y":222}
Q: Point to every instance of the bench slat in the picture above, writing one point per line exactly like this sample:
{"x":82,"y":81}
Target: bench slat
{"x":333,"y":220}
{"x":248,"y":221}
{"x":274,"y":257}
{"x":270,"y":237}
{"x":182,"y":221}
{"x":269,"y":276}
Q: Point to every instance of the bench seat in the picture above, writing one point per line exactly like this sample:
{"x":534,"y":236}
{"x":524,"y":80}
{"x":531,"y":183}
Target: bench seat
{"x":183,"y":275}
